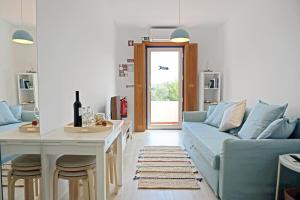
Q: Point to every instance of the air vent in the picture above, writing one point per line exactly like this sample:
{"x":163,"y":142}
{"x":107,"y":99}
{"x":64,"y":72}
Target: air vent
{"x":160,"y":34}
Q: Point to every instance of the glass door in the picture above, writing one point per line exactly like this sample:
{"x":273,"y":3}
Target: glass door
{"x":164,"y":87}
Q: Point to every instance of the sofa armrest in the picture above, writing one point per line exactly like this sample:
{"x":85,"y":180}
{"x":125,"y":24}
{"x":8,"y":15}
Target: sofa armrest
{"x":194,"y":116}
{"x":248,"y":168}
{"x":27,"y":116}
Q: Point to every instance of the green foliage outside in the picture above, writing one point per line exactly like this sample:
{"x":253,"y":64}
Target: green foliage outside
{"x":167,"y":91}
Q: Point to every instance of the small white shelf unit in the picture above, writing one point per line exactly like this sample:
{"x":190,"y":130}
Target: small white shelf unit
{"x":210,"y":89}
{"x":28,"y":90}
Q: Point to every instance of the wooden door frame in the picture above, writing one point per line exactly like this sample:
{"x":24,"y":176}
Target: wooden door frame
{"x":186,"y":83}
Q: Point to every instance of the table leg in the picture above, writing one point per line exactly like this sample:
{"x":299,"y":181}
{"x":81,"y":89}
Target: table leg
{"x":45,"y":192}
{"x":278,"y":180}
{"x":120,"y":159}
{"x":100,"y":173}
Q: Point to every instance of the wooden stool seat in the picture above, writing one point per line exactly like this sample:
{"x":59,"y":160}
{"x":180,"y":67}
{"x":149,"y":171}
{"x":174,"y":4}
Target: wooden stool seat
{"x":73,"y":173}
{"x":75,"y":161}
{"x":75,"y":168}
{"x":27,"y":167}
{"x":28,"y":160}
{"x":26,"y":173}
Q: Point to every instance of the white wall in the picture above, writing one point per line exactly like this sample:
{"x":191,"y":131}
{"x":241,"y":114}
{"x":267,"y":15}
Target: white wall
{"x":210,"y":51}
{"x":262,"y":48}
{"x":75,"y":52}
{"x":14,"y":58}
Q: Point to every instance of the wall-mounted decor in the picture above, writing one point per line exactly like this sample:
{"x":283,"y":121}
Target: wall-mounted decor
{"x":123,"y":70}
{"x":130,"y":43}
{"x":146,"y":39}
{"x":130,"y":60}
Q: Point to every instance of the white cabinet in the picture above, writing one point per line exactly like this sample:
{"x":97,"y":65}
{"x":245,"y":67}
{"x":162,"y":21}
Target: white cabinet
{"x":28,"y":90}
{"x":210,"y":89}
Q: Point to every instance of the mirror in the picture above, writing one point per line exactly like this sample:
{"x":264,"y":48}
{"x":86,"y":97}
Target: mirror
{"x":19,"y":105}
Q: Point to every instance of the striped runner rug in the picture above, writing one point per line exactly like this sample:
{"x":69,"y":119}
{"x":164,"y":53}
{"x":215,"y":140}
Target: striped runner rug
{"x":166,"y":167}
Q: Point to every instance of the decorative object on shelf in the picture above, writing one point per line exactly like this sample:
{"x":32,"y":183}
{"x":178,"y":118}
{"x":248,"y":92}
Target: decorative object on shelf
{"x":180,"y":34}
{"x":123,"y":70}
{"x":211,"y":83}
{"x":130,"y":43}
{"x":210,"y":89}
{"x":207,"y":68}
{"x":22,"y":36}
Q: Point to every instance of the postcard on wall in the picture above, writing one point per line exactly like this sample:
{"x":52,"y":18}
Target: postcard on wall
{"x":123,"y":70}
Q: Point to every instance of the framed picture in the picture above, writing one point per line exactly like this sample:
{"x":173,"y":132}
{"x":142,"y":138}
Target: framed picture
{"x":123,"y":70}
{"x":130,"y":43}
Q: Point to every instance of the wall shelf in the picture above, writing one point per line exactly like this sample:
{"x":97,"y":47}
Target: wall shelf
{"x":28,"y":90}
{"x":210,"y":92}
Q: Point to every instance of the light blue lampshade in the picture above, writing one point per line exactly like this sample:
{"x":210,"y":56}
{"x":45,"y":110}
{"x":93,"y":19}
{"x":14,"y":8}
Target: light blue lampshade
{"x":180,"y":35}
{"x":22,"y":37}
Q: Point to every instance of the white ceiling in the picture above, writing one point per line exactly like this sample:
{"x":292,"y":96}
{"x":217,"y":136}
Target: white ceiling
{"x":165,"y":12}
{"x":145,"y":12}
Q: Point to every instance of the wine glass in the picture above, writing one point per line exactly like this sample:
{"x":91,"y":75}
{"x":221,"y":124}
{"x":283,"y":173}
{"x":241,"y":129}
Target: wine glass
{"x":90,"y":115}
{"x":36,"y":113}
{"x":84,"y":115}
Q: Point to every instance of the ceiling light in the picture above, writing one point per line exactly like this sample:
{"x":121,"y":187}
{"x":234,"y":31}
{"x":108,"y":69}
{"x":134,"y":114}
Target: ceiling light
{"x":22,"y":36}
{"x":180,"y":34}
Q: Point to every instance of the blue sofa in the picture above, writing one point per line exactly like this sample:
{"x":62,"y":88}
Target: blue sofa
{"x":236,"y":168}
{"x":26,"y":117}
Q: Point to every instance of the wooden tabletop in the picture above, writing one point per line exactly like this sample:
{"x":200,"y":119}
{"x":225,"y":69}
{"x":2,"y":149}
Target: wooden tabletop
{"x":59,"y":135}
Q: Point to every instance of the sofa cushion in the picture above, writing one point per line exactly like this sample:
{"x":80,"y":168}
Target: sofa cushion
{"x":211,"y":109}
{"x":16,"y":111}
{"x":261,"y":116}
{"x":296,"y":133}
{"x":208,"y":140}
{"x":6,"y":116}
{"x":279,"y":129}
{"x":215,"y":118}
{"x":233,"y":116}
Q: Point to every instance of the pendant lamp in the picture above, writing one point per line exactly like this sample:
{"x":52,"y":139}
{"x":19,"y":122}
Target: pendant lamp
{"x":22,"y":36}
{"x":180,"y":34}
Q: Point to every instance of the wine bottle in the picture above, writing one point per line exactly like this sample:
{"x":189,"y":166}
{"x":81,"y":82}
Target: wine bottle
{"x":77,"y":113}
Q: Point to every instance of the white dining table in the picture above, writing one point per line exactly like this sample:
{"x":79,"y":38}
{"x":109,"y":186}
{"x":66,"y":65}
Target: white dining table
{"x":59,"y":142}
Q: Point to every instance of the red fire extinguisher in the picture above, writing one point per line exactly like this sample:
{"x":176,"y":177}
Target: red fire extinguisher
{"x":123,"y":107}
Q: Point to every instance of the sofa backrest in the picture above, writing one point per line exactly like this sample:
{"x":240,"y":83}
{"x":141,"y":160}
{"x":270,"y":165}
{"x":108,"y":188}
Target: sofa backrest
{"x":296,"y":133}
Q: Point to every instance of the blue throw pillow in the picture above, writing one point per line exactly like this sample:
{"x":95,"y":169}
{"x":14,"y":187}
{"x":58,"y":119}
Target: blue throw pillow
{"x":235,"y":131}
{"x":16,"y":111}
{"x":210,"y":110}
{"x":215,"y":118}
{"x":279,"y":129}
{"x":6,"y":116}
{"x":296,"y":133}
{"x":261,"y":116}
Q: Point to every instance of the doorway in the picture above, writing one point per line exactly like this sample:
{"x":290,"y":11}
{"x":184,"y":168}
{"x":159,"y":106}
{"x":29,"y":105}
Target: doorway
{"x":164,"y":87}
